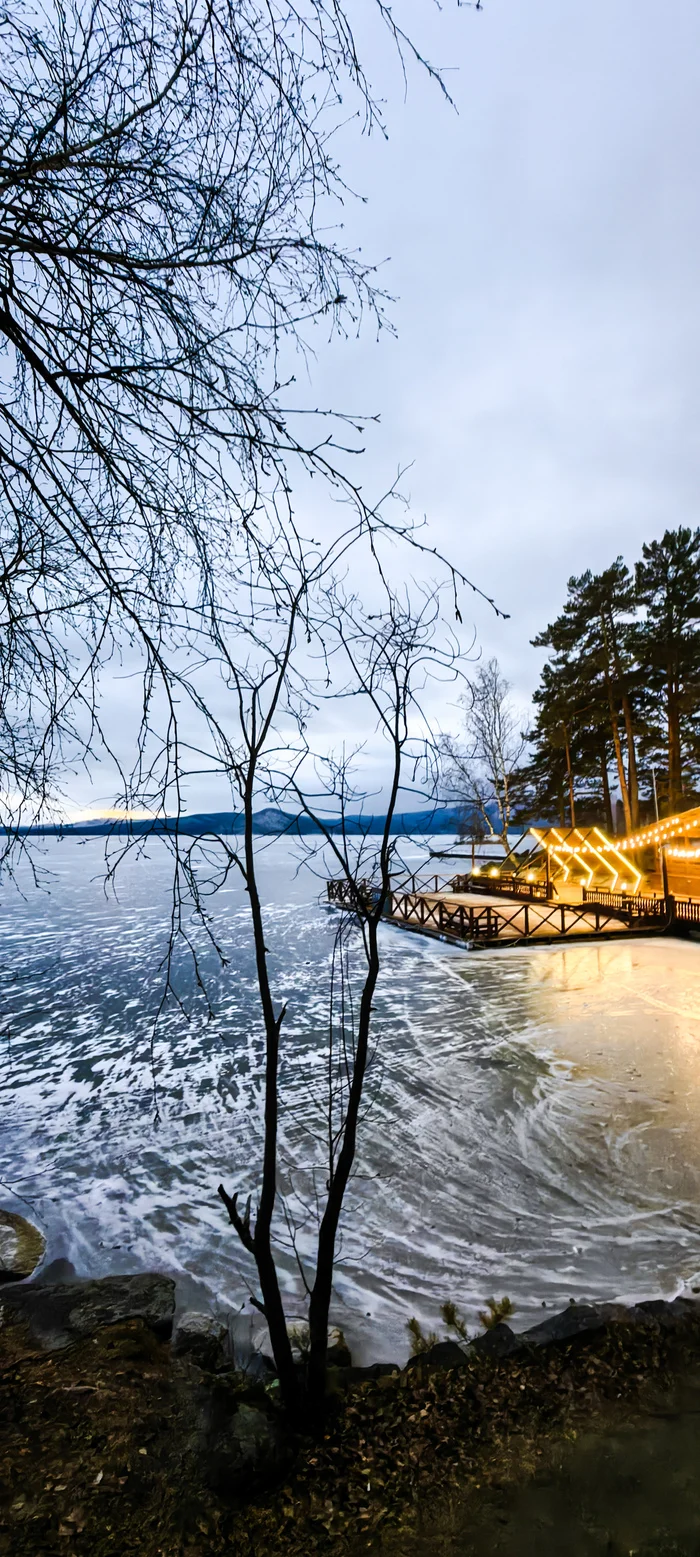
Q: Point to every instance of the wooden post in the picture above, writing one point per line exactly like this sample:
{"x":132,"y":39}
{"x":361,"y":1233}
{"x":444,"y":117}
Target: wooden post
{"x":664,"y":873}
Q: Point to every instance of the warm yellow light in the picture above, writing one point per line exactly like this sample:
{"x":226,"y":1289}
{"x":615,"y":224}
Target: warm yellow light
{"x":477,"y":870}
{"x":493,"y":872}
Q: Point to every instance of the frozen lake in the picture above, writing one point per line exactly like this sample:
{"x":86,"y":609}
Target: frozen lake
{"x":534,"y":1126}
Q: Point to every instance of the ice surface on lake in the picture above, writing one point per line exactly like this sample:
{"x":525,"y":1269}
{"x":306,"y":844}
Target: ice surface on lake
{"x":534,"y":1118}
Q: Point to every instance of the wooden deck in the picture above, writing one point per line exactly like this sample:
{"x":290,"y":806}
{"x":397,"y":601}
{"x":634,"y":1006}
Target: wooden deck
{"x":481,"y":914}
{"x":491,"y":920}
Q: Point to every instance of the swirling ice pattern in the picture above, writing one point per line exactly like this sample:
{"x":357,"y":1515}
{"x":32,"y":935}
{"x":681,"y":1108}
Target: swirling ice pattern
{"x":533,"y":1125}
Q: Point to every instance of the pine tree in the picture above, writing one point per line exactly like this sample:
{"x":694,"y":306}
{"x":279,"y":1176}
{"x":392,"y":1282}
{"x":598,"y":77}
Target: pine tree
{"x":592,"y":638}
{"x":668,"y":650}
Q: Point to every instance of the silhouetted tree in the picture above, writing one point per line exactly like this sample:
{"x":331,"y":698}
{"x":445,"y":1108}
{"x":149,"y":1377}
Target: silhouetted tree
{"x":381,"y":660}
{"x":167,"y":237}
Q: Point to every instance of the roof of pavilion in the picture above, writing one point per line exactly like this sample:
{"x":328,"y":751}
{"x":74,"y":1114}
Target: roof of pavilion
{"x":685,"y":825}
{"x":591,"y":849}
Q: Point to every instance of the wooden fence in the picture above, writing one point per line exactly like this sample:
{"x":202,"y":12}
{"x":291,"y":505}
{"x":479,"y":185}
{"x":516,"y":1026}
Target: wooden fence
{"x":532,"y":918}
{"x":509,"y":885}
{"x":464,"y":922}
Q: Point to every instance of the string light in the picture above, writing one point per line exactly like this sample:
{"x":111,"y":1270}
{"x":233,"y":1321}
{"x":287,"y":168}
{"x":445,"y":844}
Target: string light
{"x":590,"y":850}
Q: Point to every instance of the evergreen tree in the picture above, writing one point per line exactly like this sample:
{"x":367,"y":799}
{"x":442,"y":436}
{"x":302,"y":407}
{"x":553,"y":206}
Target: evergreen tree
{"x":567,"y":772}
{"x":668,"y":650}
{"x":594,"y":634}
{"x":622,"y":684}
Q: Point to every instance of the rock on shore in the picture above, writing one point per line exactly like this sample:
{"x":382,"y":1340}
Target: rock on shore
{"x":22,"y":1247}
{"x":58,"y":1315}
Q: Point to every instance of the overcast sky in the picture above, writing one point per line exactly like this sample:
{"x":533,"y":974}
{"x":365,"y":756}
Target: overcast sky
{"x":541,"y":241}
{"x":542,"y":244}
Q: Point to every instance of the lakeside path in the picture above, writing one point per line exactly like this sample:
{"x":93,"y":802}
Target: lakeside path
{"x":517,"y":919}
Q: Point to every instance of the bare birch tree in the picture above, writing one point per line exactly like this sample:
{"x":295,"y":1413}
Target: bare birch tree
{"x":479,"y":771}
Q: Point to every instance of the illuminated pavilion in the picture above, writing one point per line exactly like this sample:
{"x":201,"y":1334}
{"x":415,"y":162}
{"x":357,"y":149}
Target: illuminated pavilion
{"x":661,"y":858}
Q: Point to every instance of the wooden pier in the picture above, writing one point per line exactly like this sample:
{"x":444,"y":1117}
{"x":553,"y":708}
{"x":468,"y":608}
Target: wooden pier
{"x":480,"y":913}
{"x":557,"y":884}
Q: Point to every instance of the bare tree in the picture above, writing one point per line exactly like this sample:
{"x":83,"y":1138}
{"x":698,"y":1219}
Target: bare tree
{"x":167,"y":238}
{"x":166,"y":195}
{"x":384,"y":660}
{"x":479,"y":772}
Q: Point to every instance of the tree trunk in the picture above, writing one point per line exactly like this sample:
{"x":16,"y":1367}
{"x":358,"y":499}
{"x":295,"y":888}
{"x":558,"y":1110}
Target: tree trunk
{"x":339,"y":1172}
{"x":572,"y":803}
{"x":632,"y":780}
{"x":320,"y":1301}
{"x":617,"y":746}
{"x":260,"y":1243}
{"x":675,"y":776}
{"x":606,"y":792}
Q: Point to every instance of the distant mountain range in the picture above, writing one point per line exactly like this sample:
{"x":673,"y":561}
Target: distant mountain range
{"x":269,"y":822}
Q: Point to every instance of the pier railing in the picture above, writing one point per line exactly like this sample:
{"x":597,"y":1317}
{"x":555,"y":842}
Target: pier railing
{"x":509,"y":885}
{"x":351,"y":894}
{"x":533,"y":917}
{"x":626,"y":905}
{"x":464,"y":922}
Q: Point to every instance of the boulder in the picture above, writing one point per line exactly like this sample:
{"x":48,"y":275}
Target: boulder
{"x":668,"y":1316}
{"x":443,"y":1355}
{"x":498,"y":1341}
{"x":338,"y":1354}
{"x":245,"y":1450}
{"x":22,"y":1247}
{"x":201,"y":1337}
{"x":575,"y":1322}
{"x":372,"y":1374}
{"x":57,"y":1271}
{"x":256,"y":1365}
{"x":62,"y":1313}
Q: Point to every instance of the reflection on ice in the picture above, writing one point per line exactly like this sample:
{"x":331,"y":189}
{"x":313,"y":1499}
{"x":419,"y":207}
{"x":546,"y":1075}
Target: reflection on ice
{"x":534,"y":1125}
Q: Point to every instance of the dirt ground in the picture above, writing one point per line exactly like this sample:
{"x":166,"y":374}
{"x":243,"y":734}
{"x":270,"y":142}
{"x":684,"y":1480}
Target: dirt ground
{"x":101,"y":1447}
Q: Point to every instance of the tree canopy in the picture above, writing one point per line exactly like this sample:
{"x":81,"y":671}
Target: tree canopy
{"x":169,"y":207}
{"x":618,"y":702}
